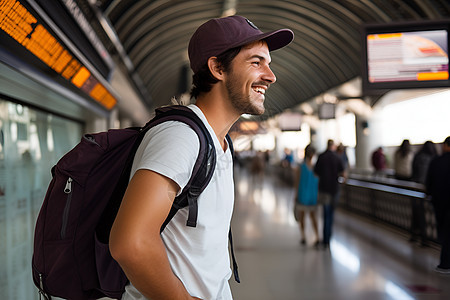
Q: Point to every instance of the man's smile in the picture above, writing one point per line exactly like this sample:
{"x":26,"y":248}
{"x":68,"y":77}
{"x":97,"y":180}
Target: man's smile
{"x":259,"y":90}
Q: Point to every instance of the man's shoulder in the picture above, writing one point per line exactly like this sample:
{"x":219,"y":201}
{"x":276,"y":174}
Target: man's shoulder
{"x":171,"y":136}
{"x":324,"y":154}
{"x":330,"y":155}
{"x":438,"y":164}
{"x":170,"y":128}
{"x":441,"y":159}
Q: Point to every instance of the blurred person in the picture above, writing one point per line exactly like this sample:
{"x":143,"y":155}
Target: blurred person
{"x":420,"y":164}
{"x":257,"y":163}
{"x":288,"y":158}
{"x":438,"y":187}
{"x":266,"y":158}
{"x":422,"y":160}
{"x":328,"y":168}
{"x":287,"y":167}
{"x":257,"y":166}
{"x":341,"y":151}
{"x":379,"y":161}
{"x":403,"y":158}
{"x":306,"y":197}
{"x":230,"y":59}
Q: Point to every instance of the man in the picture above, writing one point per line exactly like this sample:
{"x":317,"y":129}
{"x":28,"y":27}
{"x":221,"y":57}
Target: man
{"x":438,"y":186}
{"x":328,"y":168}
{"x":230,"y":59}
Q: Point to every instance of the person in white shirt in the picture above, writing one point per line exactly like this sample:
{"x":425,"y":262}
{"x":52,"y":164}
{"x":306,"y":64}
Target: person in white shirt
{"x":230,"y":60}
{"x":403,"y":159}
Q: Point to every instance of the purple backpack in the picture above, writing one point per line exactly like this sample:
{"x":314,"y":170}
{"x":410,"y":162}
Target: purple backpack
{"x":71,"y":256}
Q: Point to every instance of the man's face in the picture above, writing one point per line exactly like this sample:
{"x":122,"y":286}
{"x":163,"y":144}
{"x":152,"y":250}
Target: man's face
{"x":249,"y":78}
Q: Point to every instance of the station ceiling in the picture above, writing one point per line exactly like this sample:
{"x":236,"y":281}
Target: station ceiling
{"x":325,"y":53}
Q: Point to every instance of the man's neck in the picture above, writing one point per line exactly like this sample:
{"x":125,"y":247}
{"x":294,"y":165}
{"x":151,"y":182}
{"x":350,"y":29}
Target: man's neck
{"x":218,"y":113}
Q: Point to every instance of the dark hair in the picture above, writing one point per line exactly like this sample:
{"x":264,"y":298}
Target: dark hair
{"x":203,"y":80}
{"x":447,"y":141}
{"x":309,"y":151}
{"x":404,"y":148}
{"x":429,"y":148}
{"x":330,"y":143}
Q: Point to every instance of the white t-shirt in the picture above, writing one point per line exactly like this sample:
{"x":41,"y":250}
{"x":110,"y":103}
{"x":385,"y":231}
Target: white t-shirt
{"x":198,"y":255}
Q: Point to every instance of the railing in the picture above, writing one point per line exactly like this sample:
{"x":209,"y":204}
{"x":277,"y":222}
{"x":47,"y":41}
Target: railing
{"x":404,"y":207}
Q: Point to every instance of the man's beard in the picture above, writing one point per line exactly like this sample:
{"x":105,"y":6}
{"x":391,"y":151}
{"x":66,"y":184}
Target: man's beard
{"x":241,"y":102}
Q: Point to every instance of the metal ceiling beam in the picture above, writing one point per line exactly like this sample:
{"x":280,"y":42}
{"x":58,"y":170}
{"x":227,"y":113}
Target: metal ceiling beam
{"x":324,"y":54}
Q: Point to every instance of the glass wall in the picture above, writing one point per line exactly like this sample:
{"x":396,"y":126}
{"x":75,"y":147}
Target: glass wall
{"x":31,"y":142}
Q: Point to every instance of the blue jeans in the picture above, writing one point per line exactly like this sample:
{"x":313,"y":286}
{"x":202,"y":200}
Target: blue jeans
{"x":328,"y":216}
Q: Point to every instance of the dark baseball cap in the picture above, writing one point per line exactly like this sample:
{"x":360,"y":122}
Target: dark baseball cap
{"x":219,"y":35}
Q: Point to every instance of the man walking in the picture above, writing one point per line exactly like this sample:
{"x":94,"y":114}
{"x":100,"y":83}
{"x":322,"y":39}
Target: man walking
{"x":328,"y":168}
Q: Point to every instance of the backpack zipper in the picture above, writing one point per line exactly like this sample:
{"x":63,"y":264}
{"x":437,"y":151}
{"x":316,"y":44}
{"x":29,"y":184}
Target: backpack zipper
{"x":42,"y":293}
{"x":68,"y":191}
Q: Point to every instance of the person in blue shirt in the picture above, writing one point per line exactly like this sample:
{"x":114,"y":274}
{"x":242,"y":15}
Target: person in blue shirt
{"x":306,"y":199}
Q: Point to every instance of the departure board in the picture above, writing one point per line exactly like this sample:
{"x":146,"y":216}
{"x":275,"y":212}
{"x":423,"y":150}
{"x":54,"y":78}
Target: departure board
{"x":19,"y":23}
{"x":405,"y":55}
{"x":408,"y":56}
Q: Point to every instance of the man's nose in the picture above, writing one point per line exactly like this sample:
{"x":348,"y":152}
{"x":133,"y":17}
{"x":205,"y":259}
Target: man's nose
{"x":269,"y":76}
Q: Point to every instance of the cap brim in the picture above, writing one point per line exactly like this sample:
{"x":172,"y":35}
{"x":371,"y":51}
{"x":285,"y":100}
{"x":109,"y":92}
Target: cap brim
{"x":278,"y":39}
{"x":275,"y":39}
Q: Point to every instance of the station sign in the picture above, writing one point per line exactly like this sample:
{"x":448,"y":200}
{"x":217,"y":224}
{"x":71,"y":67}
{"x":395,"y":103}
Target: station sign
{"x":22,"y":30}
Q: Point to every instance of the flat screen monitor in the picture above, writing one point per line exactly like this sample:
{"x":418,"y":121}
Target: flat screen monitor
{"x":405,"y":55}
{"x":327,"y":111}
{"x":290,"y":121}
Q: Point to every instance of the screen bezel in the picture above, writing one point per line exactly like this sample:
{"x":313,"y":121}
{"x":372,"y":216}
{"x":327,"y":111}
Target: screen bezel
{"x":381,"y":87}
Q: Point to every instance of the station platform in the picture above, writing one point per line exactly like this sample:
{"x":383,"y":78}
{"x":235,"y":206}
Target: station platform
{"x":366,"y":259}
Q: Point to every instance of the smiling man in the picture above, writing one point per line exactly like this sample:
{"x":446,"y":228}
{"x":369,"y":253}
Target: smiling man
{"x":230,"y":58}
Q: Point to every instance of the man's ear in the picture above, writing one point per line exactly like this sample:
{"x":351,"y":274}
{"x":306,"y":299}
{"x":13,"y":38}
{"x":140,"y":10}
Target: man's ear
{"x":215,"y":68}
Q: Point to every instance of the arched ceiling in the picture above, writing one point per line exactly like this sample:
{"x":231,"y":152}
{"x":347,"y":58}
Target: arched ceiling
{"x":324,"y":54}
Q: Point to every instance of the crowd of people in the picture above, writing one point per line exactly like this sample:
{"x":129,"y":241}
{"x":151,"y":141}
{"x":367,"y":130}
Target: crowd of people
{"x":318,"y":184}
{"x":407,"y":164}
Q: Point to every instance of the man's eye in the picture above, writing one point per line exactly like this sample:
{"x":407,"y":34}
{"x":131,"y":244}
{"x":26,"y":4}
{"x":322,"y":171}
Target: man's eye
{"x":256,"y":63}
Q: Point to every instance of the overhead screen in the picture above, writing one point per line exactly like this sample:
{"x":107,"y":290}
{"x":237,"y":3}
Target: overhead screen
{"x":405,"y":55}
{"x":327,"y":111}
{"x":290,"y":121}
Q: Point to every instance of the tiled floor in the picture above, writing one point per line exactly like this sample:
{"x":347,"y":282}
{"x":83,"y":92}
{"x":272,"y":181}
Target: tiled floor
{"x":366,"y":260}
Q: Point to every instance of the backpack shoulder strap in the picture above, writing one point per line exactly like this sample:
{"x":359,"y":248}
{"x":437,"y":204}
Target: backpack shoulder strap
{"x":203,"y":167}
{"x":230,"y":144}
{"x":230,"y":234}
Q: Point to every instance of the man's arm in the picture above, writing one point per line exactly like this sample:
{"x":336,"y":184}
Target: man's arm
{"x":135,"y":240}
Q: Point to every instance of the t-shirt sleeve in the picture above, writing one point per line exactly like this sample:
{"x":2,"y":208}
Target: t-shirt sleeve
{"x":169,"y":149}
